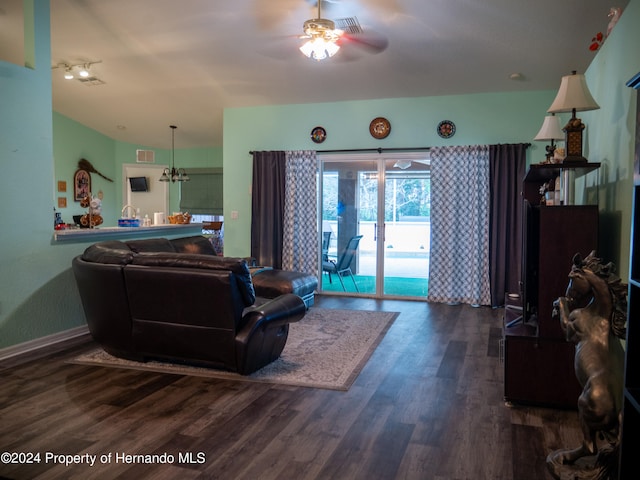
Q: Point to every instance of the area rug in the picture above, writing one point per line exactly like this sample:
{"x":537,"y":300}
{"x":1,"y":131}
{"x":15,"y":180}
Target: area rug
{"x":326,"y":349}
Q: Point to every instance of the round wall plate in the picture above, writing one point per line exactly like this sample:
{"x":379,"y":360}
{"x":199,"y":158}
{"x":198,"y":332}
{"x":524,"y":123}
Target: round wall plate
{"x":446,"y":129}
{"x":318,"y":134}
{"x":379,"y":127}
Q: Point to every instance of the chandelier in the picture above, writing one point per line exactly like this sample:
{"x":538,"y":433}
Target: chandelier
{"x":174,"y":174}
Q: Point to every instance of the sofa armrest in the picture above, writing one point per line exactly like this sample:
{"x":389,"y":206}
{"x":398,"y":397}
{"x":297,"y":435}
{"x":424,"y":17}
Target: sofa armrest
{"x":283,"y":310}
{"x":264,"y":331}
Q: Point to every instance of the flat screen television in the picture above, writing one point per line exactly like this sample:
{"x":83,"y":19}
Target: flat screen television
{"x":138,"y":184}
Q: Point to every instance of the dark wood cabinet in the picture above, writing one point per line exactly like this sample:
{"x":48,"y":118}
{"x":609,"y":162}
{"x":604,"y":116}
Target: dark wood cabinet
{"x":538,"y":360}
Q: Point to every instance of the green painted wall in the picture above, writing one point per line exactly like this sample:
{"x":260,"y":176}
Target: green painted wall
{"x":38,"y":147}
{"x":480,"y":119}
{"x":484,"y":118}
{"x":38,"y":295}
{"x":610,"y":133}
{"x":73,"y":141}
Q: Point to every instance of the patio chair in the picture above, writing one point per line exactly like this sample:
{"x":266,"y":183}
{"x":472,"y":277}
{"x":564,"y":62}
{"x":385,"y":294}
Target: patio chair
{"x":326,"y":240}
{"x":343,"y":265}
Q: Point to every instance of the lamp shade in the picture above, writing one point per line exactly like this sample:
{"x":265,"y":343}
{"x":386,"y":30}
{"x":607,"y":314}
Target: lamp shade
{"x":573,"y":95}
{"x":550,"y":129}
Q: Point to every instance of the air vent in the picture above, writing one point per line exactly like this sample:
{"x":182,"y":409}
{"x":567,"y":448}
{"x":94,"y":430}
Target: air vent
{"x":349,"y":25}
{"x":90,"y":81}
{"x":145,"y":156}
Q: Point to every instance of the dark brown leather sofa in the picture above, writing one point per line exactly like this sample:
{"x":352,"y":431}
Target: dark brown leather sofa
{"x":175,"y":300}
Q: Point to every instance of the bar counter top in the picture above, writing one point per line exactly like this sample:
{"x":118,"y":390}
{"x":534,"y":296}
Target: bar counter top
{"x":114,"y":233}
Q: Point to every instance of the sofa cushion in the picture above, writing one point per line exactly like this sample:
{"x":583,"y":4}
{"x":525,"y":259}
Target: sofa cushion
{"x":194,"y":260}
{"x":151,"y":245}
{"x":195,"y":244}
{"x":271,"y":283}
{"x":111,"y":252}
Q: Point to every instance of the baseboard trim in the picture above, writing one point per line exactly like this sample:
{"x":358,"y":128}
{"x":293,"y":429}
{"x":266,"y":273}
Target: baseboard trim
{"x":42,"y":346}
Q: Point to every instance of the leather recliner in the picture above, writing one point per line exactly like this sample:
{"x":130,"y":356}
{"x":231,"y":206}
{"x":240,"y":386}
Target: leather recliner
{"x":173,"y":301}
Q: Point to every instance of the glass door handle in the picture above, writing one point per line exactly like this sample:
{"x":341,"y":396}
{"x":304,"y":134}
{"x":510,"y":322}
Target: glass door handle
{"x":375,"y":231}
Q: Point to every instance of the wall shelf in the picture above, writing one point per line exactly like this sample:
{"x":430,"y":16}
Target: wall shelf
{"x":542,"y":172}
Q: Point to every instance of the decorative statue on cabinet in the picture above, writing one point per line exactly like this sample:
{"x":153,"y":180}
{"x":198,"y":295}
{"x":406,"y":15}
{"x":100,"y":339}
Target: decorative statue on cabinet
{"x":593,"y":315}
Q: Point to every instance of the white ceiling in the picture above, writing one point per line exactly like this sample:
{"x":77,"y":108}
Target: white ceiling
{"x":182,"y":62}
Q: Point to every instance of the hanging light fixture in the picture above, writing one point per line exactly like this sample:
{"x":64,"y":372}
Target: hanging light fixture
{"x":83,"y":71}
{"x":322,"y":37}
{"x":73,"y":69}
{"x":174,"y":174}
{"x":68,"y":73}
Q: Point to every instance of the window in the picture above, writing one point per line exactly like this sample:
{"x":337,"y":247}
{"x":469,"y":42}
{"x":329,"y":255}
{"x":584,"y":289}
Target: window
{"x":203,"y":193}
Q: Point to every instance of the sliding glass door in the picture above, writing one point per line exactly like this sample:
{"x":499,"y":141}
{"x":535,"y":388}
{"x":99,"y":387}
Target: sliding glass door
{"x":407,"y":231}
{"x":375,"y":225}
{"x":349,"y":215}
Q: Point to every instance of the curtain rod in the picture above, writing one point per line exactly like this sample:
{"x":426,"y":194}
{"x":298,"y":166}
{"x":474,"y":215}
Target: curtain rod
{"x":379,"y":150}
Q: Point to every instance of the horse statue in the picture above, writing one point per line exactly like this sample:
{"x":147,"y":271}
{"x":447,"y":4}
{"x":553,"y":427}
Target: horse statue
{"x":593,"y":315}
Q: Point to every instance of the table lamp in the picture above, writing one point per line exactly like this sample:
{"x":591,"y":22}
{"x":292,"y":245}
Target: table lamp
{"x":573,"y":96}
{"x":550,"y":130}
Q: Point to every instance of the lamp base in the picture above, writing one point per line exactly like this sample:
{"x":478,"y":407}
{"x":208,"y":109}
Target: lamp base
{"x":573,"y":140}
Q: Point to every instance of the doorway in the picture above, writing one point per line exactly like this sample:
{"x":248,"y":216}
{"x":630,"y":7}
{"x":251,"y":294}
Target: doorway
{"x":154,"y":199}
{"x":384,"y":199}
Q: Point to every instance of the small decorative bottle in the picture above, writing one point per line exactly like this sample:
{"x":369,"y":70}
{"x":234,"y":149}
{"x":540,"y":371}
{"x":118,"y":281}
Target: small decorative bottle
{"x":57,"y":218}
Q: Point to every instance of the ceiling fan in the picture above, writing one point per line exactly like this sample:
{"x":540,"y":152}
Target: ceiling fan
{"x":325,"y":37}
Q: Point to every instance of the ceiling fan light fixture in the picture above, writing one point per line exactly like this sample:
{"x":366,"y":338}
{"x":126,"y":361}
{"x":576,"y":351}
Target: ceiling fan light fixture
{"x":322,"y":37}
{"x":318,"y":48}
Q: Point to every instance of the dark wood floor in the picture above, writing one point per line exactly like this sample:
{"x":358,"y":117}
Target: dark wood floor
{"x":428,"y":405}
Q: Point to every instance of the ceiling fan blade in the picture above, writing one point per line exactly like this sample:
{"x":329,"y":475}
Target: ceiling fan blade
{"x":370,"y":41}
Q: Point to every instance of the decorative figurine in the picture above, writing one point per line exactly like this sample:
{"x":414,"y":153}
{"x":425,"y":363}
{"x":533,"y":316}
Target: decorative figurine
{"x":593,"y":314}
{"x":599,"y":38}
{"x":93,"y":217}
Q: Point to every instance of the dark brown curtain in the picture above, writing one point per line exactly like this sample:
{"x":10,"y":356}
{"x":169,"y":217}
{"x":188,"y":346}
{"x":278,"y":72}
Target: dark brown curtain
{"x":507,"y":165}
{"x":267,"y":207}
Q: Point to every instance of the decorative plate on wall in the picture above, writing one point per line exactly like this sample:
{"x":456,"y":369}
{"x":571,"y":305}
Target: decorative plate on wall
{"x":379,"y":127}
{"x":446,"y":129}
{"x":318,"y":134}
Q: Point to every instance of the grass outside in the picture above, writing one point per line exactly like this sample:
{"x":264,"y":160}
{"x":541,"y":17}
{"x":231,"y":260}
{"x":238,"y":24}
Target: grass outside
{"x":395,"y":286}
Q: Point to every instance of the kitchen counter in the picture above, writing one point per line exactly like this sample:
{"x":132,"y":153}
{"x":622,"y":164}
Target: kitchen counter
{"x":114,"y":233}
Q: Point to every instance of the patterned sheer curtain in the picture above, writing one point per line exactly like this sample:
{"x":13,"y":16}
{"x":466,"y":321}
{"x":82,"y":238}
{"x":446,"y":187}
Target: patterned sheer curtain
{"x":284,"y":210}
{"x":300,"y":229}
{"x":460,"y":203}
